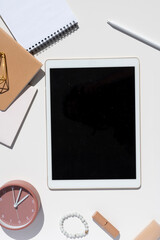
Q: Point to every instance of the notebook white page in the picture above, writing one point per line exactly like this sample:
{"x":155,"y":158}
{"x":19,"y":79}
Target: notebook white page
{"x":11,"y":120}
{"x":31,"y":21}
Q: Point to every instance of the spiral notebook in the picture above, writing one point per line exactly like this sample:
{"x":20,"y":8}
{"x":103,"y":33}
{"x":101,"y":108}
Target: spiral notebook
{"x":38,"y":23}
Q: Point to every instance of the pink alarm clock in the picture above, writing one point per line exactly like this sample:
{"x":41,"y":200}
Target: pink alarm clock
{"x":19,"y":204}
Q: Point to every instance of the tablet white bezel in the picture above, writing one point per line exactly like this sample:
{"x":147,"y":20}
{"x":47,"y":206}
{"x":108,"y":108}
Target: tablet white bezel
{"x":93,"y":184}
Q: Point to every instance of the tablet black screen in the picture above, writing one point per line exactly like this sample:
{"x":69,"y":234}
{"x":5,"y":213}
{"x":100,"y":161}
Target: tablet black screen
{"x":93,"y":123}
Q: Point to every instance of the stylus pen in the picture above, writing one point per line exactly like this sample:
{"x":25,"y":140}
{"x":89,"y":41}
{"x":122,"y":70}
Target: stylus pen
{"x":134,"y":35}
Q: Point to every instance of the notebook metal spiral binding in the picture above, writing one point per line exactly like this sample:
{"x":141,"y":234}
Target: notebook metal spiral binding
{"x":54,"y":37}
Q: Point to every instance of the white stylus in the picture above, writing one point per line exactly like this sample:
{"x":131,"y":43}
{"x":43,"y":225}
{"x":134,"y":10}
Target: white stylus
{"x":134,"y":35}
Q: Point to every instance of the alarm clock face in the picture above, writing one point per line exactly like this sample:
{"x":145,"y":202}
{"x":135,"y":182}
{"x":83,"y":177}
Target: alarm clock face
{"x":18,"y":206}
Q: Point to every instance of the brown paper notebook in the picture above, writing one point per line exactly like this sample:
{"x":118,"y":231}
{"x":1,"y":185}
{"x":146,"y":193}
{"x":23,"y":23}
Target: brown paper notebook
{"x":21,"y":68}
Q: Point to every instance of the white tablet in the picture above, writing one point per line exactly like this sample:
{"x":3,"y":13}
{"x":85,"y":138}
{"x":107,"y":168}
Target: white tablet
{"x":93,"y":123}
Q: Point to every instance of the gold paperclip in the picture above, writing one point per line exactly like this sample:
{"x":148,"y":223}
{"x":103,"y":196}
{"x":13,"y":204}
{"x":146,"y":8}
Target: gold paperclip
{"x":4,"y":82}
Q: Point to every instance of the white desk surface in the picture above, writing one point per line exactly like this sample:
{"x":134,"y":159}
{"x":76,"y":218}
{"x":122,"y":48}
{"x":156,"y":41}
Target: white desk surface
{"x":129,"y":210}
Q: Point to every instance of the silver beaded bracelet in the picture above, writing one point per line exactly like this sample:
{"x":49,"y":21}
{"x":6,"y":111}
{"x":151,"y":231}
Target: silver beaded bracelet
{"x":76,"y":235}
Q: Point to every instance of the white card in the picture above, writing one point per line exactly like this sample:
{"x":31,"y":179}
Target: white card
{"x":11,"y":119}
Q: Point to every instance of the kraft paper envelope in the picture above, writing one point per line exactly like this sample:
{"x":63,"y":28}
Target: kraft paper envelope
{"x":21,"y":68}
